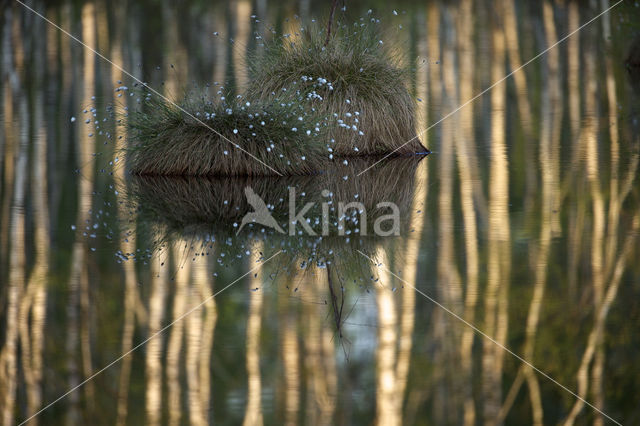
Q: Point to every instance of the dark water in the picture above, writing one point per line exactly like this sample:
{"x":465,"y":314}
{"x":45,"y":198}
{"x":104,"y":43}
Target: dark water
{"x":510,"y":295}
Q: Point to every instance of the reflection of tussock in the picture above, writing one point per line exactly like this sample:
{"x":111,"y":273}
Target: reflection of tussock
{"x":633,"y":65}
{"x":211,"y":203}
{"x":209,"y":210}
{"x":390,"y":181}
{"x":217,"y":205}
{"x":633,"y":58}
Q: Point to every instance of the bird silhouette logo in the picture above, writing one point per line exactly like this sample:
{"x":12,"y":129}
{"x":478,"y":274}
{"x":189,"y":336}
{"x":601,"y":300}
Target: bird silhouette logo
{"x":260,"y":214}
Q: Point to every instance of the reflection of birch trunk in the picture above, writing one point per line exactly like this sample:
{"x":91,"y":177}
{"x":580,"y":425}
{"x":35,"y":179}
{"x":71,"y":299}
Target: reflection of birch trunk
{"x":573,"y":70}
{"x":433,"y":36}
{"x":596,"y":334}
{"x":206,"y":289}
{"x":598,"y":236}
{"x":179,"y":251}
{"x":604,"y":266}
{"x":200,"y":325}
{"x":519,"y":78}
{"x":193,"y":331}
{"x":8,"y":147}
{"x":86,"y":199}
{"x":496,"y":320}
{"x":577,"y":218}
{"x":8,"y":357}
{"x":126,"y":246}
{"x":522,"y":93}
{"x":464,"y":29}
{"x":549,"y":142}
{"x":242,"y":15}
{"x":311,"y":359}
{"x":612,"y":120}
{"x":319,"y":357}
{"x":33,"y":304}
{"x":328,"y":358}
{"x":613,"y":274}
{"x":435,"y":91}
{"x":71,"y":344}
{"x":464,"y":133}
{"x":589,"y":136}
{"x":176,"y":75}
{"x":406,"y":316}
{"x":174,"y":348}
{"x":290,"y":351}
{"x":388,"y":402}
{"x":127,"y":339}
{"x":449,"y":282}
{"x":85,"y":332}
{"x":421,"y":76}
{"x":615,"y":206}
{"x":408,"y":296}
{"x":159,"y":277}
{"x":33,"y":310}
{"x":448,"y":276}
{"x":220,"y":43}
{"x":552,"y":153}
{"x":77,"y":328}
{"x":253,"y":413}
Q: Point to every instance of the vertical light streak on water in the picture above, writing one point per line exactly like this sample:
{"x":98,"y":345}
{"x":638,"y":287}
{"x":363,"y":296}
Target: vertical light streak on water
{"x":206,"y":286}
{"x":388,"y":402}
{"x":548,"y":156}
{"x":17,"y":261}
{"x":290,"y":353}
{"x":33,"y":305}
{"x":319,"y":358}
{"x":126,"y":242}
{"x":411,"y":257}
{"x":499,"y":262}
{"x":182,"y":260}
{"x":193,"y":343}
{"x":253,"y":410}
{"x":464,"y":153}
{"x":153,"y":359}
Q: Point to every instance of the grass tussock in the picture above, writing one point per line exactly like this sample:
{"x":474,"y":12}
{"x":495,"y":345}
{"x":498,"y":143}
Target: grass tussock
{"x":354,"y":76}
{"x":281,"y":137}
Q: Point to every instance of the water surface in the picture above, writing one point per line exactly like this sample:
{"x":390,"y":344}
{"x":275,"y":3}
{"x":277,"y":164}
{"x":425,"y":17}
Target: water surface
{"x":518,"y":234}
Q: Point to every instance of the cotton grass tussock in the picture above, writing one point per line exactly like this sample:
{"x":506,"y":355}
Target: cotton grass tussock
{"x":282,"y":135}
{"x":355,"y":77}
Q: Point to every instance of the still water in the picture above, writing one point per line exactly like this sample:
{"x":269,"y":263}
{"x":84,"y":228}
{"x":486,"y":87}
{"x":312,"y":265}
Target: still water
{"x":510,"y":295}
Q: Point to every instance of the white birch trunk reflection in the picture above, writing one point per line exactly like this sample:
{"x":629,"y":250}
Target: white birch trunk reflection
{"x":253,"y":411}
